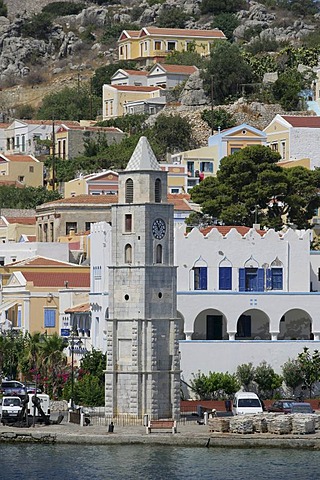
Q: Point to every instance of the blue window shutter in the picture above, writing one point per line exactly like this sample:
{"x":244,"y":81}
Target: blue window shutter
{"x":19,"y":319}
{"x":225,"y":278}
{"x":242,"y":280}
{"x":260,"y":279}
{"x":203,"y":278}
{"x":268,"y":279}
{"x":49,"y":318}
{"x":277,"y":279}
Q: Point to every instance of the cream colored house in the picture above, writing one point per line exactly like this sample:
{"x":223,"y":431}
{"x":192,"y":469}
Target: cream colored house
{"x":115,"y":98}
{"x":25,"y":169}
{"x":12,"y":228}
{"x":103,"y":183}
{"x":153,"y":44}
{"x":36,"y":292}
{"x":200,"y":163}
{"x":136,"y":78}
{"x":295,"y":137}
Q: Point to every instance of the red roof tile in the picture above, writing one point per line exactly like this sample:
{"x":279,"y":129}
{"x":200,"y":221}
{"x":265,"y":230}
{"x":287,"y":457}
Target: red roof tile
{"x":49,"y":122}
{"x":301,"y":121}
{"x":91,"y":129}
{"x":42,"y":262}
{"x":20,"y":158}
{"x":85,"y":199}
{"x":224,"y":229}
{"x":136,"y":72}
{"x":188,"y":69}
{"x":84,"y":307}
{"x":22,"y":220}
{"x":57,"y":279}
{"x":184,"y":32}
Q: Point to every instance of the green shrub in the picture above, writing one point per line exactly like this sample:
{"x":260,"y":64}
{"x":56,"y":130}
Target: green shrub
{"x":112,"y":31}
{"x":222,"y":6}
{"x":172,"y":18}
{"x":38,"y":26}
{"x":227,"y":22}
{"x":59,"y":9}
{"x":218,"y":118}
{"x":3,"y":9}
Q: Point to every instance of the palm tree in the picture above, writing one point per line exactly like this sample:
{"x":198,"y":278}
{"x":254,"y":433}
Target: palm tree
{"x":54,"y":361}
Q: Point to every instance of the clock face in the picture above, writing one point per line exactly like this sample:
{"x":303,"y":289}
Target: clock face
{"x":159,"y":228}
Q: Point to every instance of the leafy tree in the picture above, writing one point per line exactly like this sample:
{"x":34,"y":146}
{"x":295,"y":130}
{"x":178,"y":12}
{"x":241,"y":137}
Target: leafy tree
{"x":292,"y":375}
{"x":219,"y":118}
{"x":28,"y":197}
{"x":69,"y":104}
{"x":94,"y":363}
{"x":53,"y":363}
{"x":310,"y":367}
{"x":240,"y":185}
{"x":214,"y":385}
{"x":89,"y":391}
{"x":172,"y":132}
{"x":173,"y":17}
{"x":227,"y":22}
{"x":102,"y":75}
{"x":127,"y":123}
{"x":226,"y":71}
{"x":25,"y":112}
{"x":287,"y":89}
{"x":222,"y":6}
{"x":3,"y":9}
{"x":245,"y":375}
{"x":267,"y":380}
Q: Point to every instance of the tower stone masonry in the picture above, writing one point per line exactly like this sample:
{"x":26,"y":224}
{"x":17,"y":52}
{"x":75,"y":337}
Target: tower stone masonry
{"x":143,"y":362}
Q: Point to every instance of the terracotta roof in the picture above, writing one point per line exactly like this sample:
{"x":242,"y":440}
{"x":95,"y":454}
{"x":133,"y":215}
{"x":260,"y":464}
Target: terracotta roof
{"x":92,"y":129}
{"x":42,"y":262}
{"x":31,"y":238}
{"x":4,"y":125}
{"x":133,"y":88}
{"x":188,"y":69}
{"x":184,"y":32}
{"x":49,"y":122}
{"x":22,"y":220}
{"x":136,"y":72}
{"x":131,"y":33}
{"x":83,"y":307}
{"x":53,"y":279}
{"x":85,"y":199}
{"x":301,"y":121}
{"x":20,"y":158}
{"x":224,"y":229}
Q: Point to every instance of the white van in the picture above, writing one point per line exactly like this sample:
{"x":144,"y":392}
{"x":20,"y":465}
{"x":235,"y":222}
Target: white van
{"x":246,"y":402}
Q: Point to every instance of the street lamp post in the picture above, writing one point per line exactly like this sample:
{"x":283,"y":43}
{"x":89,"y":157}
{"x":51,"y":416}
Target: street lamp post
{"x":73,"y":343}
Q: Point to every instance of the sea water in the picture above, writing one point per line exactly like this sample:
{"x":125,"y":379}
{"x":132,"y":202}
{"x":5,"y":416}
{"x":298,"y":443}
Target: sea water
{"x":149,"y":462}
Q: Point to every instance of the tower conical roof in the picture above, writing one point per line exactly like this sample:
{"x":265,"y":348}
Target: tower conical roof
{"x":143,"y":157}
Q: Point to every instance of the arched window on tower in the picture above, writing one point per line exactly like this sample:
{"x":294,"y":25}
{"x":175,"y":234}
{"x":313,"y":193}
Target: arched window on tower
{"x":128,"y":253}
{"x":129,"y":190}
{"x":159,"y":254}
{"x":157,"y":190}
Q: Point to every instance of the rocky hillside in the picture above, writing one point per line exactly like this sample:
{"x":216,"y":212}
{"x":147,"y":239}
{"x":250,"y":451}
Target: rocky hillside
{"x":38,"y":58}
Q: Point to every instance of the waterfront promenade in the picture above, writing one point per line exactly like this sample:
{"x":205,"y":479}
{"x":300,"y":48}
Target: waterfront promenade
{"x":190,"y":434}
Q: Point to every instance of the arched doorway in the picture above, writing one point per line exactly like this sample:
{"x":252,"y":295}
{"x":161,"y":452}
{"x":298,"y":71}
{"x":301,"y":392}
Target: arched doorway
{"x":253,"y":324}
{"x":210,"y":324}
{"x":295,"y":324}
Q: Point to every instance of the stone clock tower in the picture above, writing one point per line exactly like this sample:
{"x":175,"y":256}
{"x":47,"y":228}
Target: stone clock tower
{"x":143,"y":366}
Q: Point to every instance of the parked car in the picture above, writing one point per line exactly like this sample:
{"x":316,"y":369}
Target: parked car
{"x":31,"y":388}
{"x":13,"y":388}
{"x":301,"y":407}
{"x":11,"y":410}
{"x":246,"y":402}
{"x":281,"y":406}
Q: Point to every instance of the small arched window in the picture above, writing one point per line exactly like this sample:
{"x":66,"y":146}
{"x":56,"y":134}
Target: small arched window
{"x":157,"y":190}
{"x":129,"y":190}
{"x":128,"y":253}
{"x":159,"y":254}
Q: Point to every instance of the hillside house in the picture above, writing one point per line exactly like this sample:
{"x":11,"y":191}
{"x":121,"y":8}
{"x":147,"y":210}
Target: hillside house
{"x":27,"y":170}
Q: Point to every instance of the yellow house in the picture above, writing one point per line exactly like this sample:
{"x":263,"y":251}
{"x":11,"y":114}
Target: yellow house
{"x":153,"y":44}
{"x":115,"y":98}
{"x":37,"y":291}
{"x":25,"y":169}
{"x":295,"y":137}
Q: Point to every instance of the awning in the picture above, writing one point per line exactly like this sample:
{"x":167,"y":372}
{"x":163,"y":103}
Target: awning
{"x":5,"y":306}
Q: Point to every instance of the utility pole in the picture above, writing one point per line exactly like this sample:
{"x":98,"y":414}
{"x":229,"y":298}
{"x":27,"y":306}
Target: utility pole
{"x":211,"y":76}
{"x":53,"y":155}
